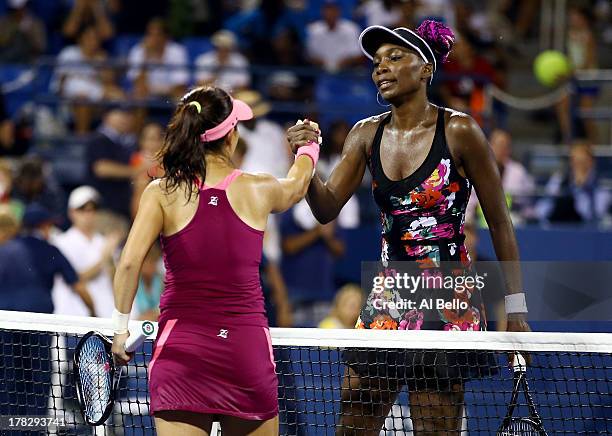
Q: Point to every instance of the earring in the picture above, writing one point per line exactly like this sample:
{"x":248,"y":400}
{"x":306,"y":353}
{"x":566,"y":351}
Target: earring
{"x":378,"y":97}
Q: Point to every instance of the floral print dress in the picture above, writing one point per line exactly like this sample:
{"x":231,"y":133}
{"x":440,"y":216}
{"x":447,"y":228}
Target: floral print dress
{"x":422,"y":221}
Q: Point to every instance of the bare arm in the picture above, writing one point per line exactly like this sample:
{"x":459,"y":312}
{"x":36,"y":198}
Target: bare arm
{"x":146,"y":228}
{"x":71,"y":26}
{"x":479,"y":164}
{"x":108,"y":169}
{"x":81,"y":290}
{"x":281,"y":194}
{"x":326,"y":199}
{"x":295,"y":243}
{"x":106,"y":257}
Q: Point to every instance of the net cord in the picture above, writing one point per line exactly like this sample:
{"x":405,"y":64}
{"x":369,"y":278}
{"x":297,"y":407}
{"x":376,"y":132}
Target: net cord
{"x":346,"y":338}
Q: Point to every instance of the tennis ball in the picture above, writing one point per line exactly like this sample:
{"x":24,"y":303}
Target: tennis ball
{"x":550,"y":66}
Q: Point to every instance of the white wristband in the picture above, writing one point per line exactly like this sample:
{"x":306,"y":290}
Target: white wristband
{"x":515,"y":303}
{"x":120,"y":322}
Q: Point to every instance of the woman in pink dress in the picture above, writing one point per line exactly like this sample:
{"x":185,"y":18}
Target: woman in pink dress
{"x":212,"y":359}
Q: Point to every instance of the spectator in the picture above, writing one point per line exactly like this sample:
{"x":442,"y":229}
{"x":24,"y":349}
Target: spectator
{"x":7,"y":131}
{"x":582,"y":52}
{"x":108,"y":156}
{"x":22,"y":35}
{"x":28,"y":267}
{"x":35,"y":184}
{"x":518,"y":184}
{"x":308,"y":246}
{"x":80,"y":76}
{"x":150,"y":286}
{"x":29,"y":264}
{"x":88,"y":13}
{"x":576,"y":196}
{"x":345,"y":310}
{"x":224,"y":67}
{"x":267,"y":150}
{"x":380,"y":12}
{"x":145,"y":161}
{"x":468,"y":73}
{"x":333,"y":42}
{"x":331,"y":153}
{"x":6,"y":189}
{"x":9,"y":225}
{"x":408,"y":11}
{"x":278,"y":307}
{"x":91,"y":255}
{"x":170,"y":76}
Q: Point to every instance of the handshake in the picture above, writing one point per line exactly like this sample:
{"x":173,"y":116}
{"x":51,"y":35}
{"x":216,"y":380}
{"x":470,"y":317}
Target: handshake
{"x":304,"y":138}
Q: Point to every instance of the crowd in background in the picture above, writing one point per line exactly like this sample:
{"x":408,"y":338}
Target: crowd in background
{"x":58,"y":243}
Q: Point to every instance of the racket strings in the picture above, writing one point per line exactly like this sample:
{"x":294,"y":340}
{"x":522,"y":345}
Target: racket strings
{"x":96,"y":378}
{"x":521,"y":427}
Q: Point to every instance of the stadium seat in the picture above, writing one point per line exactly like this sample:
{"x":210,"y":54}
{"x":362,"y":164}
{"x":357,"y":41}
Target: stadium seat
{"x":124,"y":43}
{"x":342,"y":96}
{"x":196,"y":46}
{"x":18,"y":85}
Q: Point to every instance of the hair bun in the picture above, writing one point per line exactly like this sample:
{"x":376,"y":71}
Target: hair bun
{"x":439,"y":36}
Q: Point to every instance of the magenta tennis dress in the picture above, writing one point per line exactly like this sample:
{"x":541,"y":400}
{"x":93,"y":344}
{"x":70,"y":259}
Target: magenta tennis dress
{"x":213,"y":352}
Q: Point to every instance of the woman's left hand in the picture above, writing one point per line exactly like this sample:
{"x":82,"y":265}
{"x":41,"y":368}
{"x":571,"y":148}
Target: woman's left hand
{"x":517,"y":322}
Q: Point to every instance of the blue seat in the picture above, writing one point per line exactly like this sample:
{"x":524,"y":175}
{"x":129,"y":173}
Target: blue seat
{"x":68,"y":160}
{"x":196,"y":46}
{"x":18,"y":85}
{"x":347,"y":97}
{"x":124,"y":43}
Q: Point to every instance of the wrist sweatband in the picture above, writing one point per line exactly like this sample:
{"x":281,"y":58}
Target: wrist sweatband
{"x":515,"y":303}
{"x":120,"y":322}
{"x":311,"y":150}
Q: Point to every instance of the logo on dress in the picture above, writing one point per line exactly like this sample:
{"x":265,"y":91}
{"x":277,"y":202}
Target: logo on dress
{"x":213,"y":200}
{"x":222,"y":334}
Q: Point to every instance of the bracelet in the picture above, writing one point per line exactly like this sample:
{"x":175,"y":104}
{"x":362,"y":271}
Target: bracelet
{"x":515,"y":303}
{"x":120,"y":322}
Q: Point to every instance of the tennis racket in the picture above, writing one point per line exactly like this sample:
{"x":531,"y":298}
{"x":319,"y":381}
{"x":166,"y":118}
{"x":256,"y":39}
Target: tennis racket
{"x":97,"y":376}
{"x":514,"y":426}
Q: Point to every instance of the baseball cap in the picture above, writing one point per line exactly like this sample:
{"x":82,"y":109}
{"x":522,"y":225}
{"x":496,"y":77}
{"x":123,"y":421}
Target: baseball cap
{"x":35,"y":215}
{"x":81,"y":196}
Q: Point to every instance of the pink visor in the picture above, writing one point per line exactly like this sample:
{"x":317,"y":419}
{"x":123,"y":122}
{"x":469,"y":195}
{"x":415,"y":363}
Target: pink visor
{"x":240,"y":112}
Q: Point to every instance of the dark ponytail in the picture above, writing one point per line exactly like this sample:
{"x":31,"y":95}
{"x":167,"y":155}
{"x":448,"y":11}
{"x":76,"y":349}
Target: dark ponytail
{"x":439,"y":36}
{"x":182,"y":154}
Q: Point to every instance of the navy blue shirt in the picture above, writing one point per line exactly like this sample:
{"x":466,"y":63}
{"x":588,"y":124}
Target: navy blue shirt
{"x":28,"y":266}
{"x":116,"y":193}
{"x":309,"y":274}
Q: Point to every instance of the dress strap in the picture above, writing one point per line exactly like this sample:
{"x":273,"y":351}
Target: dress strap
{"x":223,"y":184}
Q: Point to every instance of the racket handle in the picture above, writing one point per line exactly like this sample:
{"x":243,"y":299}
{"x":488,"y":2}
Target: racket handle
{"x":134,"y":341}
{"x":518,"y":363}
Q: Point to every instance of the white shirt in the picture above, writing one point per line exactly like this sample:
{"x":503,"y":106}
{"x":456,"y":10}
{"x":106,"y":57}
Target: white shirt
{"x":375,"y":13}
{"x":267,"y":149}
{"x":233,"y":75}
{"x":163,"y":78}
{"x":80,"y":80}
{"x":333,"y":46}
{"x":82,"y":253}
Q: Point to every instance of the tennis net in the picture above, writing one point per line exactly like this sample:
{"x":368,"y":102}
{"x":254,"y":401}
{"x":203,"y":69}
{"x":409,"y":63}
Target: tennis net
{"x":461,"y":376}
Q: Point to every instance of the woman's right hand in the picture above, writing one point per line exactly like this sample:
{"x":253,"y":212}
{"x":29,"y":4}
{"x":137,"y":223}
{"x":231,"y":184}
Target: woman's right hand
{"x":302,"y":133}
